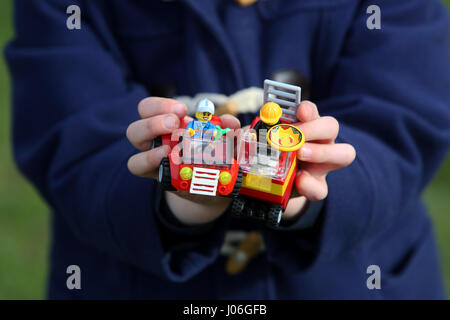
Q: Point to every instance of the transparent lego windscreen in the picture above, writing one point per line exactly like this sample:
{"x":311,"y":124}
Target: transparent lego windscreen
{"x":259,"y":158}
{"x":206,"y":151}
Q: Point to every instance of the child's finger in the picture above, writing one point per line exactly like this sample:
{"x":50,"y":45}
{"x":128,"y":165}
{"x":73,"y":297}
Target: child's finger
{"x":307,"y":111}
{"x":145,"y":164}
{"x":153,"y":106}
{"x":141,"y":132}
{"x":323,"y":128}
{"x":341,"y":154}
{"x":313,"y":188}
{"x":187,"y":119}
{"x":230,"y":121}
{"x":296,"y":201}
{"x":319,"y":169}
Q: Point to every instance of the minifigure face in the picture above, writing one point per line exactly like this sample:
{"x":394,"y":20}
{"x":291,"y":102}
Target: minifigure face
{"x":203,"y":116}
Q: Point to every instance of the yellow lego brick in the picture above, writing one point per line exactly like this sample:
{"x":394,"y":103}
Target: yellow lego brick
{"x":265,"y":184}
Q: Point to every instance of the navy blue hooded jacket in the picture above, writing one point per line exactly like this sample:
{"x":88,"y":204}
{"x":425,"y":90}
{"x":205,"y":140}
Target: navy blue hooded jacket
{"x":76,"y":91}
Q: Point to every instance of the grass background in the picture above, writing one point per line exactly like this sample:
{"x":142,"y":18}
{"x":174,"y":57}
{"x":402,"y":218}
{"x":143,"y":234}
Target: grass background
{"x":24,"y":217}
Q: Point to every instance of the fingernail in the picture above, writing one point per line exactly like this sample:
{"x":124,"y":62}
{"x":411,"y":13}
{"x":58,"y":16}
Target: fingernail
{"x":179,"y":109}
{"x":305,"y":153}
{"x":169,"y":122}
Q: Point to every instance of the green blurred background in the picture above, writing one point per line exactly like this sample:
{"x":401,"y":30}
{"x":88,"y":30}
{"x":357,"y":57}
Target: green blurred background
{"x":24,"y":217}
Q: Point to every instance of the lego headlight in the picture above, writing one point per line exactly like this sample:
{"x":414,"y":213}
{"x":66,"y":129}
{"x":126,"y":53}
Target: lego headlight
{"x":225,"y":178}
{"x":186,"y":173}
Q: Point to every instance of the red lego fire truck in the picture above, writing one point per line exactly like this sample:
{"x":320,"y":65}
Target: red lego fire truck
{"x":200,"y":166}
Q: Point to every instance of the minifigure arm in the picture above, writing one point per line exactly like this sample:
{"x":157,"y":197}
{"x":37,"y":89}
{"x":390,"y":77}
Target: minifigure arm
{"x":219,"y":132}
{"x":189,"y":128}
{"x":255,"y":133}
{"x":190,"y":131}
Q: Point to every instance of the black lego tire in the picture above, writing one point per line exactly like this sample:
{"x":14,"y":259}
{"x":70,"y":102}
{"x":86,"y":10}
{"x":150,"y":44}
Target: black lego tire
{"x":164,"y":176}
{"x":238,"y":206}
{"x":237,"y":185}
{"x":273,"y":217}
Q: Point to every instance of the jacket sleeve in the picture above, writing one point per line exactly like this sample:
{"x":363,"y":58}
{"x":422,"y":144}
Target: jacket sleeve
{"x":389,"y":89}
{"x":73,"y":100}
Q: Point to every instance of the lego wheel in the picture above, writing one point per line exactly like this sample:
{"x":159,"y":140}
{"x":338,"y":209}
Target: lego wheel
{"x":237,"y":185}
{"x":157,"y":142}
{"x":273,"y":217}
{"x":164,"y":177}
{"x":237,"y":208}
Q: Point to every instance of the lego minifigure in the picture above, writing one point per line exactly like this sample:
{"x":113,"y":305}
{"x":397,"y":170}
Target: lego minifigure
{"x":269,"y":115}
{"x":202,"y":128}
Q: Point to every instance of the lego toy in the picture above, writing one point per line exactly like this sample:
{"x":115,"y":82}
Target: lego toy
{"x":261,"y":180}
{"x":269,"y":167}
{"x":200,"y":161}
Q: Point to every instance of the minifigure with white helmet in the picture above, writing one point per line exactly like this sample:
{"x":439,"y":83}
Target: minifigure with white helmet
{"x":201,"y":127}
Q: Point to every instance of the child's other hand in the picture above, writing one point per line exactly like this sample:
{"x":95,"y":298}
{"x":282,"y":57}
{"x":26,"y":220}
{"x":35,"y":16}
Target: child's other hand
{"x":318,"y":156}
{"x":160,"y":116}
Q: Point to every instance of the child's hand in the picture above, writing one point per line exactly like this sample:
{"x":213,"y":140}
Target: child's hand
{"x":319,"y":155}
{"x":159,"y":116}
{"x":162,"y":116}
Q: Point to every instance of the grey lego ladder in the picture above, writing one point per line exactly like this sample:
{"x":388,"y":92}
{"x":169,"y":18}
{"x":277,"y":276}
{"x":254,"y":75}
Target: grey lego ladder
{"x":286,"y":95}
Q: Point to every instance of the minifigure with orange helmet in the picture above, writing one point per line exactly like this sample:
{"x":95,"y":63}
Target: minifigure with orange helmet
{"x":269,"y":115}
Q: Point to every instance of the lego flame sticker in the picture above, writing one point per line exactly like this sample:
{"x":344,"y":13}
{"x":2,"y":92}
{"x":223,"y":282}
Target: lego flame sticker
{"x":285,"y":137}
